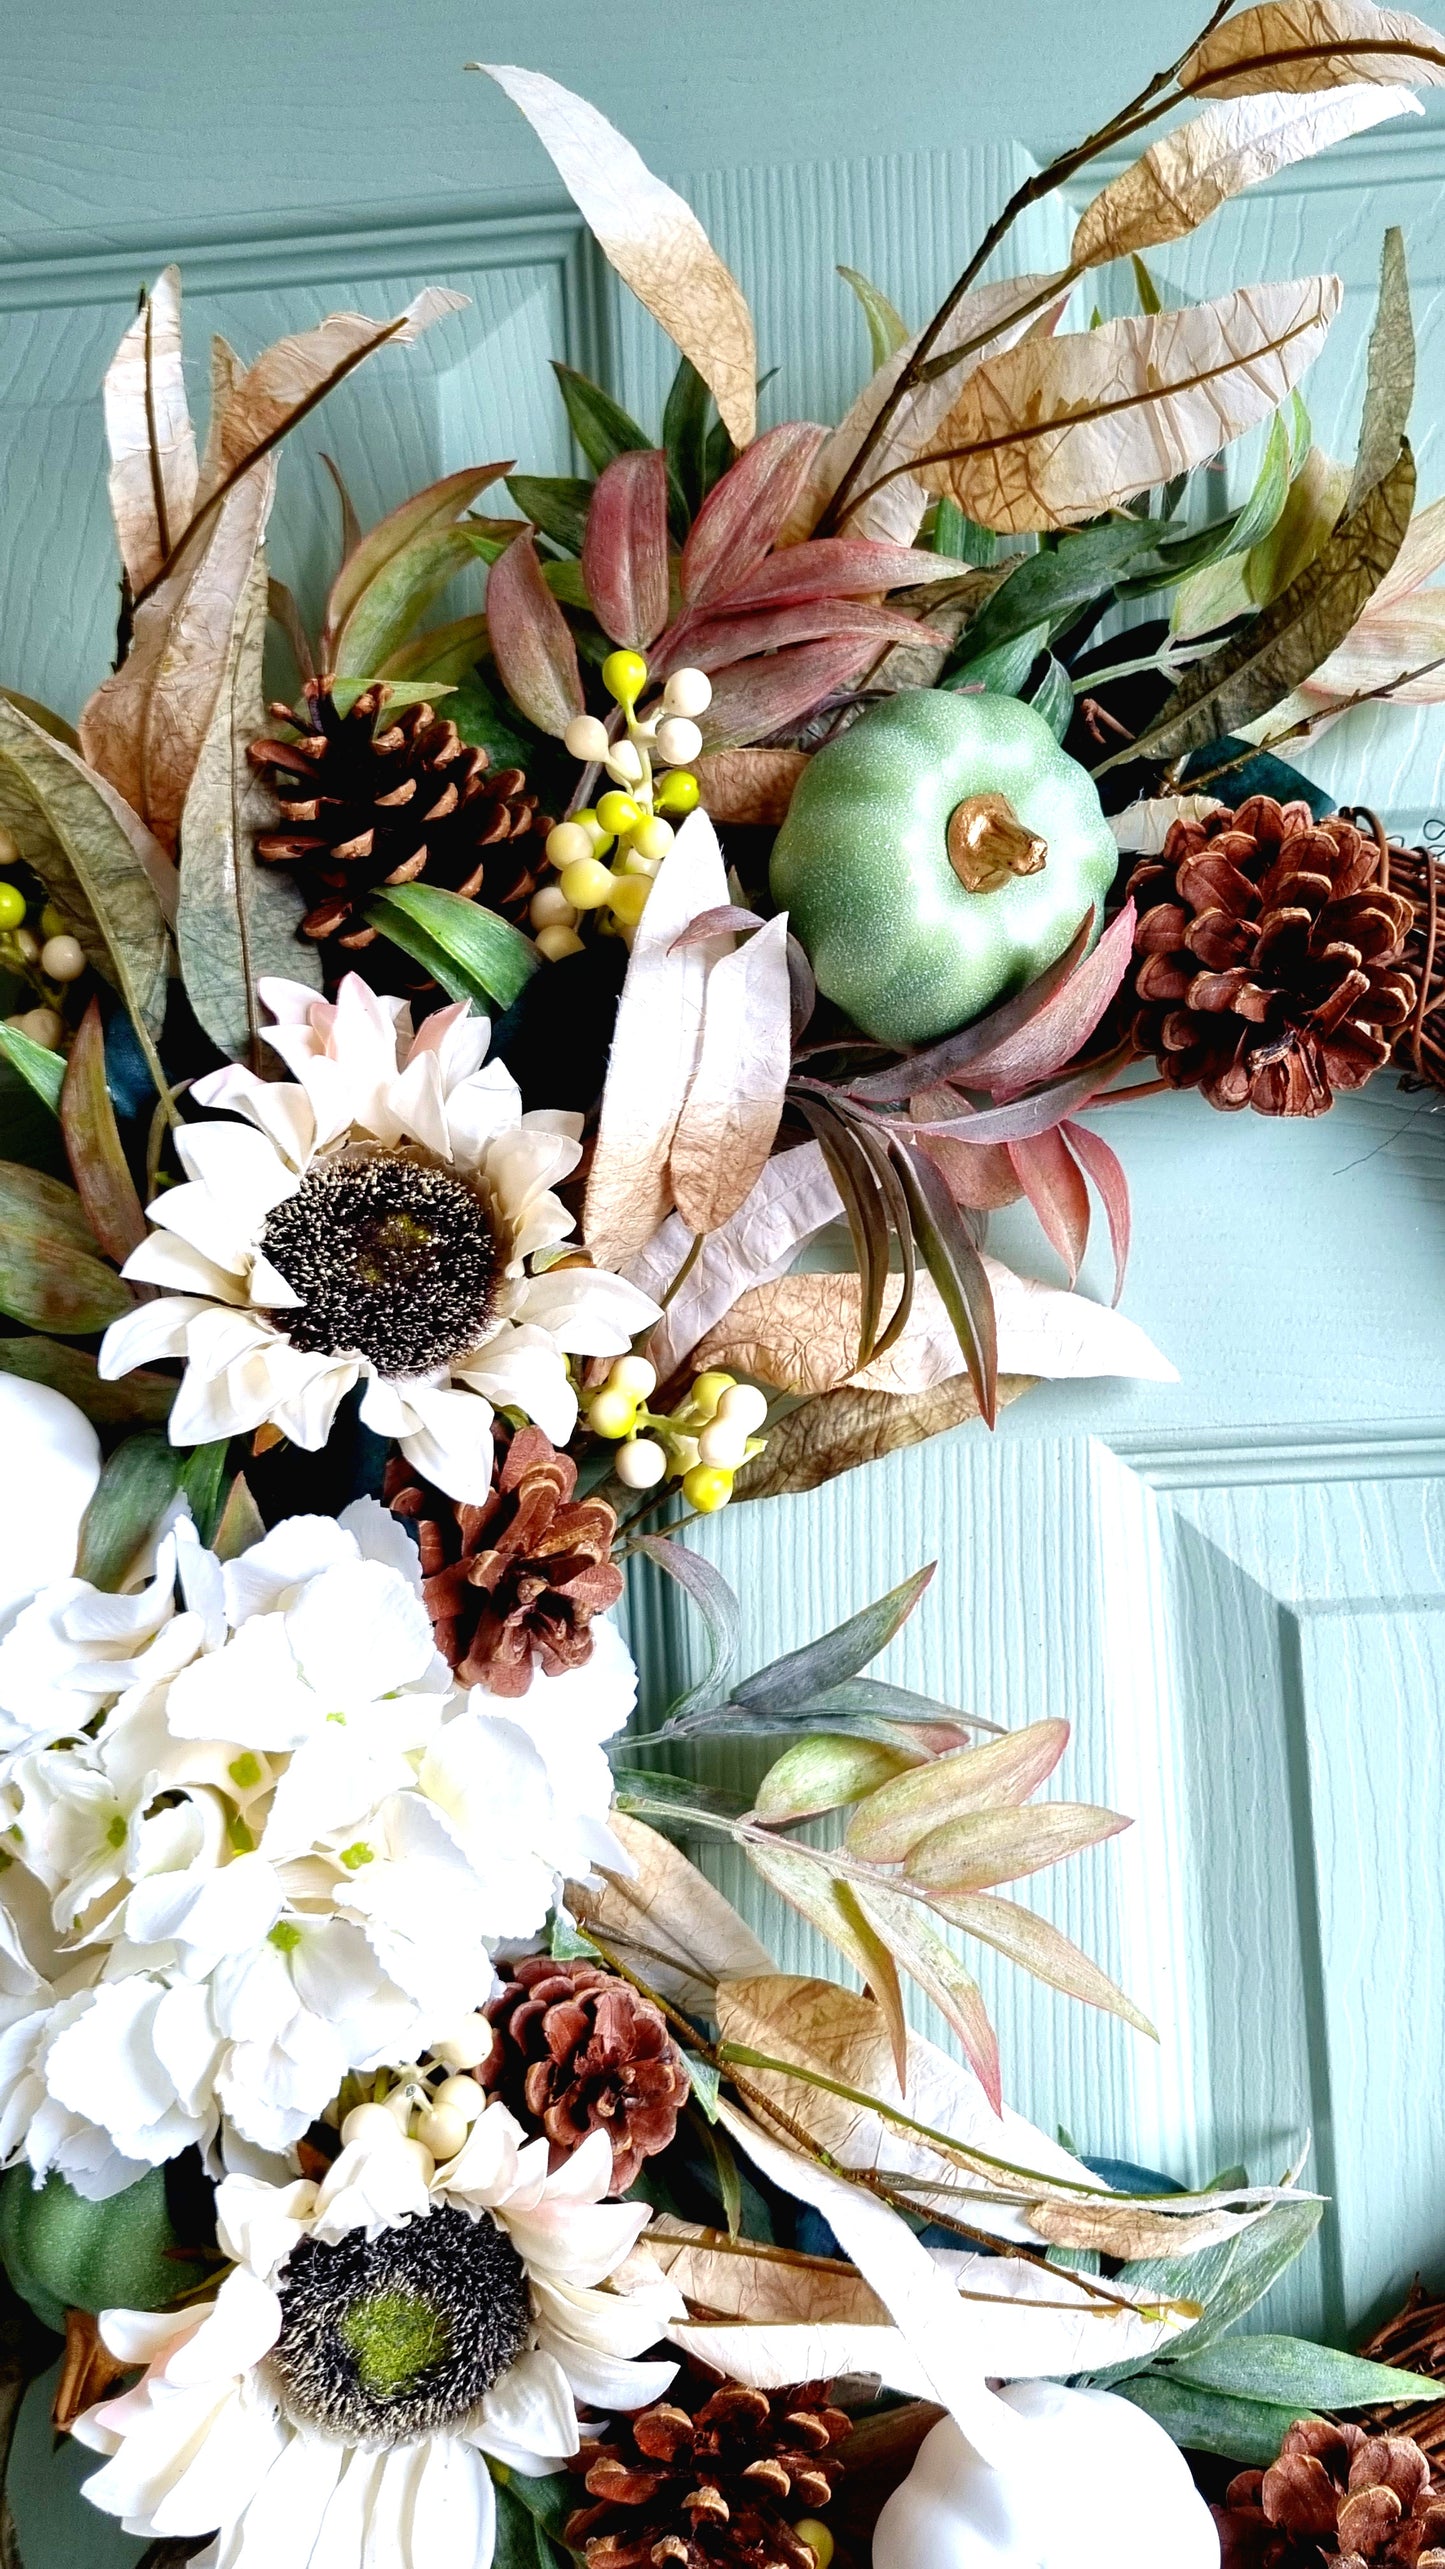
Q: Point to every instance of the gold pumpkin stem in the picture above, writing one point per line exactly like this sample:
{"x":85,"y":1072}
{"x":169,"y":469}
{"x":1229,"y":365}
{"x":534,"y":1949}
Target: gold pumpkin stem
{"x":988,"y":843}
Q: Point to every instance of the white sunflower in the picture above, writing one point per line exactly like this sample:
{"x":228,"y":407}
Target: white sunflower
{"x":378,"y":2338}
{"x":379,"y":1221}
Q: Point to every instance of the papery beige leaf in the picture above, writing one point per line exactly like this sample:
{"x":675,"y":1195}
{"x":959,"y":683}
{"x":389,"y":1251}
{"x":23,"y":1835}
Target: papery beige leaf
{"x":983,"y":1848}
{"x":1131,"y":2230}
{"x":1314,"y":44}
{"x":149,"y":433}
{"x":729,"y":1121}
{"x":676,"y":1931}
{"x":652,"y":238}
{"x":833,"y":1908}
{"x":1004,"y":1770}
{"x":766,"y":2355}
{"x":794,"y":1198}
{"x":1387,"y":645}
{"x":1188,"y":174}
{"x":937,"y":1970}
{"x":738,"y":2279}
{"x":289,"y":378}
{"x":839,"y":1431}
{"x":1059,"y":430}
{"x":894,"y":514}
{"x":749,"y":784}
{"x":1142,"y":828}
{"x":654,"y":1049}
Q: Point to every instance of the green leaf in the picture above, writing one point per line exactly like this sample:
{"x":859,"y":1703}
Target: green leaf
{"x":1261,"y":511}
{"x":706,"y":2084}
{"x":1275,"y":653}
{"x":600,"y":425}
{"x":637,"y":1784}
{"x":1296,"y":2369}
{"x":1053,"y":697}
{"x":203,"y":1475}
{"x":446,"y":653}
{"x":961,"y":539}
{"x":1390,"y":374}
{"x":530,"y":2517}
{"x":887,"y":329}
{"x":720,"y":1612}
{"x":97,"y":861}
{"x":684,"y":435}
{"x":1227,"y":2280}
{"x":39,"y":1067}
{"x":725,"y":2169}
{"x":1150,"y":299}
{"x":1249,"y":2432}
{"x":137,"y":1399}
{"x":474,"y":953}
{"x":50,"y":1276}
{"x":400,"y":692}
{"x":393,"y":573}
{"x":238,"y":918}
{"x":1004,"y":670}
{"x":484,"y":722}
{"x":952,"y":1259}
{"x":556,"y":504}
{"x":835,"y":1655}
{"x":136,"y":1487}
{"x":565,"y":1944}
{"x":1048,"y":589}
{"x":240,"y":1523}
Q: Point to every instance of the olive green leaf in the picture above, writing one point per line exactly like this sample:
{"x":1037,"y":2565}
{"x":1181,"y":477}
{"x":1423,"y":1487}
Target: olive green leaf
{"x":396,"y":569}
{"x":139,"y":1399}
{"x":136,"y":1487}
{"x":97,"y":861}
{"x":1390,"y":378}
{"x":1248,"y":2432}
{"x":50,"y":1276}
{"x":557,"y":504}
{"x":93,"y":1146}
{"x":887,"y":329}
{"x":1294,"y":2368}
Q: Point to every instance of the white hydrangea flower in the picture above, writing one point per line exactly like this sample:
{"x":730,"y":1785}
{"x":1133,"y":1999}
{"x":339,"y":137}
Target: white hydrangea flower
{"x":259,"y":1838}
{"x":374,"y":1222}
{"x":378,"y":2338}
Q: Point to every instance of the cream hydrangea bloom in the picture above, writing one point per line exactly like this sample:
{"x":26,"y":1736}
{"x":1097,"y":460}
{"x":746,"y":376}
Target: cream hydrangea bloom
{"x":377,"y":1221}
{"x":377,"y":2339}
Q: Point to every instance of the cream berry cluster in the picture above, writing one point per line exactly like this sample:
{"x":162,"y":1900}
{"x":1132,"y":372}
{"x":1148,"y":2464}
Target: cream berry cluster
{"x":632,"y":823}
{"x":703,"y":1442}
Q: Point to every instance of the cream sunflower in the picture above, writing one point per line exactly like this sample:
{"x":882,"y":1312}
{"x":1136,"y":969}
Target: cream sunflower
{"x":377,"y":2339}
{"x":377,"y":1221}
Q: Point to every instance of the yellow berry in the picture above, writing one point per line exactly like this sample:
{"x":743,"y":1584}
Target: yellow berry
{"x":558,"y":940}
{"x":706,"y":1488}
{"x":586,"y":883}
{"x":12,"y":905}
{"x":708,"y":1390}
{"x":628,"y":897}
{"x":587,"y":820}
{"x":618,"y":812}
{"x":61,"y":957}
{"x":587,"y":738}
{"x":27,"y":943}
{"x":652,"y":838}
{"x":679,"y":792}
{"x":9,"y":848}
{"x":612,"y":1413}
{"x":634,"y":1374}
{"x":624,"y":675}
{"x":568,"y":843}
{"x":818,"y":2539}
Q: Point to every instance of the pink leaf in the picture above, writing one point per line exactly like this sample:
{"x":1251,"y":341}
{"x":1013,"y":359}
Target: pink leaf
{"x":1053,"y":1182}
{"x":951,"y":1058}
{"x":531,"y":641}
{"x":713,"y":923}
{"x":718,"y":642}
{"x":741,"y":517}
{"x":1065,"y":1022}
{"x":764,"y":696}
{"x":624,"y":552}
{"x":836,"y":566}
{"x":1106,"y":1170}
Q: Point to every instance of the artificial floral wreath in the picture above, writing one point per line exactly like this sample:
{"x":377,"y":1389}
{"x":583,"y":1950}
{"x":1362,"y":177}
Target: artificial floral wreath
{"x":421,"y":2160}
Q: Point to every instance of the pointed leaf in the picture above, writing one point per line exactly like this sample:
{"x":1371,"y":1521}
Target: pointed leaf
{"x":1106,"y":1170}
{"x":1038,"y":1947}
{"x":652,"y":238}
{"x":721,"y":641}
{"x":393,"y":604}
{"x":837,"y":1654}
{"x":1047,"y":589}
{"x":93,"y":1147}
{"x":1059,"y":1028}
{"x":887,"y":329}
{"x":430,"y":513}
{"x":94,"y":857}
{"x":288,"y":380}
{"x":1390,"y":382}
{"x":241,"y":1523}
{"x":954,"y":1057}
{"x":686,"y":1936}
{"x":1231,"y":2278}
{"x":1061,"y":429}
{"x":447,"y":654}
{"x":942,"y":1978}
{"x":602,"y":428}
{"x":718,"y":1607}
{"x":1314,"y":44}
{"x":624,"y":554}
{"x":838,"y":1431}
{"x":729,"y":1120}
{"x":50,"y":1276}
{"x":740,"y":520}
{"x":149,"y":433}
{"x":1247,"y":2432}
{"x":137,"y":1398}
{"x":535,"y":654}
{"x":684,"y":436}
{"x":1054,"y":1184}
{"x":482,"y":954}
{"x":778,"y":693}
{"x":40,"y":1068}
{"x":824,"y":1773}
{"x":1003,"y":1771}
{"x":834,"y":566}
{"x":1293,"y":2368}
{"x":987,"y":1847}
{"x":350,"y":522}
{"x":557,"y":504}
{"x":794,"y":1198}
{"x":947,"y":1248}
{"x":800,"y":1876}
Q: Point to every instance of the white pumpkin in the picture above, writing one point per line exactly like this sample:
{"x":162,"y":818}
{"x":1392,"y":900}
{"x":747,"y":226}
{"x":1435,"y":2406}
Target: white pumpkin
{"x":1103,"y":2488}
{"x":49,"y":1466}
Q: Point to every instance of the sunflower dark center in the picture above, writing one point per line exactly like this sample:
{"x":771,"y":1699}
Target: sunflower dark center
{"x":393,"y":1260}
{"x":386,"y":2340}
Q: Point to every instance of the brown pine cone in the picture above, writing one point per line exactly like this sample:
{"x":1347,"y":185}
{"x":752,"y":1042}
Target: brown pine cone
{"x":716,"y":2486}
{"x":580,"y":2051}
{"x":1268,"y":958}
{"x":1335,"y":2499}
{"x":367,"y":804}
{"x":521,"y":1575}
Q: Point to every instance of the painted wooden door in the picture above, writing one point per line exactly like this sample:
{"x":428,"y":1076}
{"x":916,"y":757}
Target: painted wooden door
{"x":1234,"y":1588}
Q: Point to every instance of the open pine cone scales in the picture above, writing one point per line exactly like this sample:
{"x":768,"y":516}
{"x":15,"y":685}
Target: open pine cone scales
{"x":717,"y":2488}
{"x":369,"y":803}
{"x":579,"y":2051}
{"x":1335,"y":2499}
{"x":1269,"y":965}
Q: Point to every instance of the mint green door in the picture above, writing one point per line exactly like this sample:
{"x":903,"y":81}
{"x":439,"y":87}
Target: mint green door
{"x":1234,"y":1588}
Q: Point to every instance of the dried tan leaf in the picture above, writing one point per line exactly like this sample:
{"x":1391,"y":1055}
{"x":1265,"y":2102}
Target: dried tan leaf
{"x":838,"y":1431}
{"x":149,"y":433}
{"x":794,"y":1198}
{"x":1314,"y":44}
{"x":1188,"y":174}
{"x":983,"y":1848}
{"x":1038,"y":1946}
{"x":1004,"y":1770}
{"x":654,"y":1049}
{"x":834,"y":1909}
{"x":289,"y":378}
{"x":749,"y":784}
{"x":736,"y":2279}
{"x":1059,"y":430}
{"x":1388,"y":643}
{"x":937,"y":1970}
{"x":668,"y":1922}
{"x":1142,"y":828}
{"x":1130,"y":2230}
{"x":652,"y":238}
{"x":729,"y":1121}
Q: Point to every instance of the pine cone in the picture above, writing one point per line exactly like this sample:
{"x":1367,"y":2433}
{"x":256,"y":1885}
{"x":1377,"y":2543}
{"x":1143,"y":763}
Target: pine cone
{"x":717,"y":2487}
{"x":365,"y":808}
{"x":1335,"y":2499}
{"x":1268,"y":966}
{"x":580,"y":2051}
{"x":522,"y":1574}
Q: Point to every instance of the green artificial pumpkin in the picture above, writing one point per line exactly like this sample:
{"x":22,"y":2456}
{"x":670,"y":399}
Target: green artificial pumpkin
{"x":936,"y":857}
{"x":61,"y":2252}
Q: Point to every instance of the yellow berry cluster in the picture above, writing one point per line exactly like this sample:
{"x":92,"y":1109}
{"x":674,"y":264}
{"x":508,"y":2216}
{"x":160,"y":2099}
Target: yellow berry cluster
{"x":702,"y":1443}
{"x":635,"y":818}
{"x":51,"y":956}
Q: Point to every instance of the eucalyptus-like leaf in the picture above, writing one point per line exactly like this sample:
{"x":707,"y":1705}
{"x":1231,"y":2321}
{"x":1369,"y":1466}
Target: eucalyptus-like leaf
{"x":531,"y":641}
{"x":50,"y":1276}
{"x":624,"y":551}
{"x":1002,"y":1772}
{"x":137,"y":1400}
{"x":824,"y":1773}
{"x":801,"y":1877}
{"x":1039,"y":1947}
{"x":392,"y":573}
{"x":1046,"y":590}
{"x":149,"y":433}
{"x":936,"y":1969}
{"x":1313,"y":44}
{"x":482,"y":957}
{"x":93,"y":1146}
{"x":952,"y":1258}
{"x":1295,"y":2369}
{"x":836,"y":1654}
{"x":1229,"y":2279}
{"x":715,"y":1601}
{"x":239,"y":919}
{"x":1246,"y":2432}
{"x":982,"y":1849}
{"x":97,"y":861}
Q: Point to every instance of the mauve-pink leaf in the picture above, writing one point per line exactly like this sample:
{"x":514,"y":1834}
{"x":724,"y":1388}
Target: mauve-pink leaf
{"x":835,"y":566}
{"x":742,"y":514}
{"x":1106,"y":1169}
{"x":764,"y":696}
{"x":951,"y":1058}
{"x":531,"y":641}
{"x":1020,"y":1118}
{"x":713,"y":923}
{"x":719,"y":642}
{"x":1065,"y":1022}
{"x":624,"y":551}
{"x":1054,"y":1184}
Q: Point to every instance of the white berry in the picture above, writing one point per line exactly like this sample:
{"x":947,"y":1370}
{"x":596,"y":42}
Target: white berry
{"x":557,"y":941}
{"x":640,"y":1465}
{"x":442,"y":2131}
{"x":688,"y":691}
{"x":370,"y":2124}
{"x":467,"y":2046}
{"x":745,"y":1407}
{"x":634,"y":1374}
{"x":462,"y":2095}
{"x":587,"y":738}
{"x":550,"y":908}
{"x":722,"y":1444}
{"x":624,"y":763}
{"x":679,"y":741}
{"x":62,"y":958}
{"x":568,"y":843}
